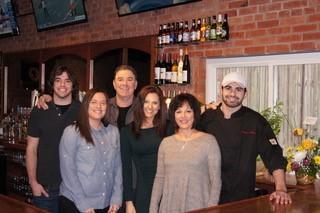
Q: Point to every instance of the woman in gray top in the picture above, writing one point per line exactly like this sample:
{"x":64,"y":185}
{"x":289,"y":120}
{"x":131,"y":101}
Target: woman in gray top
{"x":188,"y":170}
{"x":90,"y":160}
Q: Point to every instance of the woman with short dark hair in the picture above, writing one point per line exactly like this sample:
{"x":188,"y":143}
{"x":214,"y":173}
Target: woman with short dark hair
{"x":188,"y":171}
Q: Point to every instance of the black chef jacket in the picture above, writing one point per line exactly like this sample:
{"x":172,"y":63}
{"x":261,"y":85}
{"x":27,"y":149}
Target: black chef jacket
{"x":241,"y":138}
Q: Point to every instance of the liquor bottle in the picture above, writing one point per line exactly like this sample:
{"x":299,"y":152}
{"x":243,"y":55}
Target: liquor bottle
{"x":180,"y":34}
{"x":208,"y":26}
{"x":164,"y":34}
{"x":198,"y":29}
{"x":159,"y":37}
{"x":163,"y":68}
{"x":225,"y":28}
{"x":168,"y":99}
{"x":186,"y":33}
{"x":193,"y":31}
{"x":186,"y":69}
{"x":168,"y":34}
{"x":213,"y":35}
{"x":203,"y":30}
{"x":174,"y":70}
{"x":157,"y":72}
{"x":219,"y":28}
{"x":172,"y":34}
{"x":168,"y":69}
{"x":180,"y":67}
{"x":176,"y":32}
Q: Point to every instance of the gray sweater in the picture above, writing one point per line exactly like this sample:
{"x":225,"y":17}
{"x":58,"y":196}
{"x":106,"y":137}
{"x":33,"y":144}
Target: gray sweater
{"x":188,"y":175}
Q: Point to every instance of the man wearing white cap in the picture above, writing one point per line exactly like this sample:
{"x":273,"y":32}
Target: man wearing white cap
{"x":243,"y":134}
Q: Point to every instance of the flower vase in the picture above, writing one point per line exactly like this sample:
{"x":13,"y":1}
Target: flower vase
{"x":304,"y":179}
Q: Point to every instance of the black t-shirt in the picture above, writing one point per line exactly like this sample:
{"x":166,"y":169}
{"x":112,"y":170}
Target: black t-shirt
{"x":241,"y":138}
{"x":48,"y":126}
{"x":121,"y":122}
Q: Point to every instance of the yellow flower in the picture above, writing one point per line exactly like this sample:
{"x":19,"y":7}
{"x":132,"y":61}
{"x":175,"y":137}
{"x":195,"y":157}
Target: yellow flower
{"x":308,"y":144}
{"x":299,"y":148}
{"x":289,"y":167}
{"x":317,"y":159}
{"x":298,"y":132}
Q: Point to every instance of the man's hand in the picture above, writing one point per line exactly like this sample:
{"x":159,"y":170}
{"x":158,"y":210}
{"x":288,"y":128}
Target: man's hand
{"x":280,"y":197}
{"x":38,"y":190}
{"x":213,"y":105}
{"x":113,"y":208}
{"x":43,"y":100}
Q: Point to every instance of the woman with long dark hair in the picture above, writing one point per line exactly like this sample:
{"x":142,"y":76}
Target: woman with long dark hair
{"x":140,"y":141}
{"x":90,"y":160}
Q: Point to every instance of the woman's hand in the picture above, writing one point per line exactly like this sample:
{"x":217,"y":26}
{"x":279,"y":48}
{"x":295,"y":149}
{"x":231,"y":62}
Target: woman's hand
{"x":42,"y":101}
{"x":90,"y":210}
{"x":130,"y":207}
{"x":113,"y":208}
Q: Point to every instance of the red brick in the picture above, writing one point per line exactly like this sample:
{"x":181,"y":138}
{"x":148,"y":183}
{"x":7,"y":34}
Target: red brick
{"x":314,"y":18}
{"x":231,"y":13}
{"x":267,"y":24}
{"x":246,"y":42}
{"x":278,"y":48}
{"x":290,"y":38}
{"x":279,"y":30}
{"x":284,"y":13}
{"x":292,"y":21}
{"x":265,"y":40}
{"x":270,"y":7}
{"x":237,"y":4}
{"x":311,"y":36}
{"x":248,"y":10}
{"x":295,"y":4}
{"x":296,"y":12}
{"x":270,"y":15}
{"x":213,"y":53}
{"x":304,"y":28}
{"x":248,"y":26}
{"x":255,"y":33}
{"x":309,"y":10}
{"x":232,"y":51}
{"x":255,"y":50}
{"x":246,"y":19}
{"x":257,"y":2}
{"x":303,"y":46}
{"x":258,"y":17}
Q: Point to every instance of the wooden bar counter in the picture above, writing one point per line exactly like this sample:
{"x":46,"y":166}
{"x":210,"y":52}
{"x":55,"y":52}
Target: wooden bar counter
{"x":305,"y":199}
{"x":10,"y":205}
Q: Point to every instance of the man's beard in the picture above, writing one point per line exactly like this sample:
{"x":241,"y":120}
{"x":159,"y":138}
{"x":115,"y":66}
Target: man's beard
{"x":234,"y":104}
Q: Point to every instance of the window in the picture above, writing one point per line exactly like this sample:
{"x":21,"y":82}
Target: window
{"x":293,"y":79}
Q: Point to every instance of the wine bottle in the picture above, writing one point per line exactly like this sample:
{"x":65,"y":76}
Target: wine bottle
{"x":168,"y":69}
{"x":198,"y":29}
{"x":157,"y":72}
{"x":163,"y":68}
{"x":180,"y":34}
{"x":186,"y":69}
{"x":159,"y":37}
{"x":180,"y":67}
{"x":174,"y":70}
{"x":186,"y":33}
{"x":207,"y":31}
{"x":203,"y":30}
{"x":193,"y":31}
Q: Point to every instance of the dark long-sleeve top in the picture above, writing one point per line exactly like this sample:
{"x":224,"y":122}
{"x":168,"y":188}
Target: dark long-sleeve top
{"x":143,"y":152}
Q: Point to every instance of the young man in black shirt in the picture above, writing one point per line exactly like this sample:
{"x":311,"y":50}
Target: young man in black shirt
{"x":45,"y":128}
{"x":243,"y":134}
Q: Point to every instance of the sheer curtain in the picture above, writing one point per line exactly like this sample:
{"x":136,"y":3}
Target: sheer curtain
{"x":297,"y":86}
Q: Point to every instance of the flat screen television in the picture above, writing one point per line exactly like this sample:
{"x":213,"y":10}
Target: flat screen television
{"x":54,"y":13}
{"x":126,"y":7}
{"x":8,"y":21}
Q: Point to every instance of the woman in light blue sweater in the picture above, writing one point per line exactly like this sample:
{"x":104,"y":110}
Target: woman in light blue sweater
{"x":90,"y":160}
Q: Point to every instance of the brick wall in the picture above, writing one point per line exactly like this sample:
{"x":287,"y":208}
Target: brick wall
{"x":257,"y":27}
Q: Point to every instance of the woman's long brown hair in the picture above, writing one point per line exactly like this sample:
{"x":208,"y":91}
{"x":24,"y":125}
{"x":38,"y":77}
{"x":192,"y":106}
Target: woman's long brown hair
{"x":82,"y":123}
{"x":160,"y":118}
